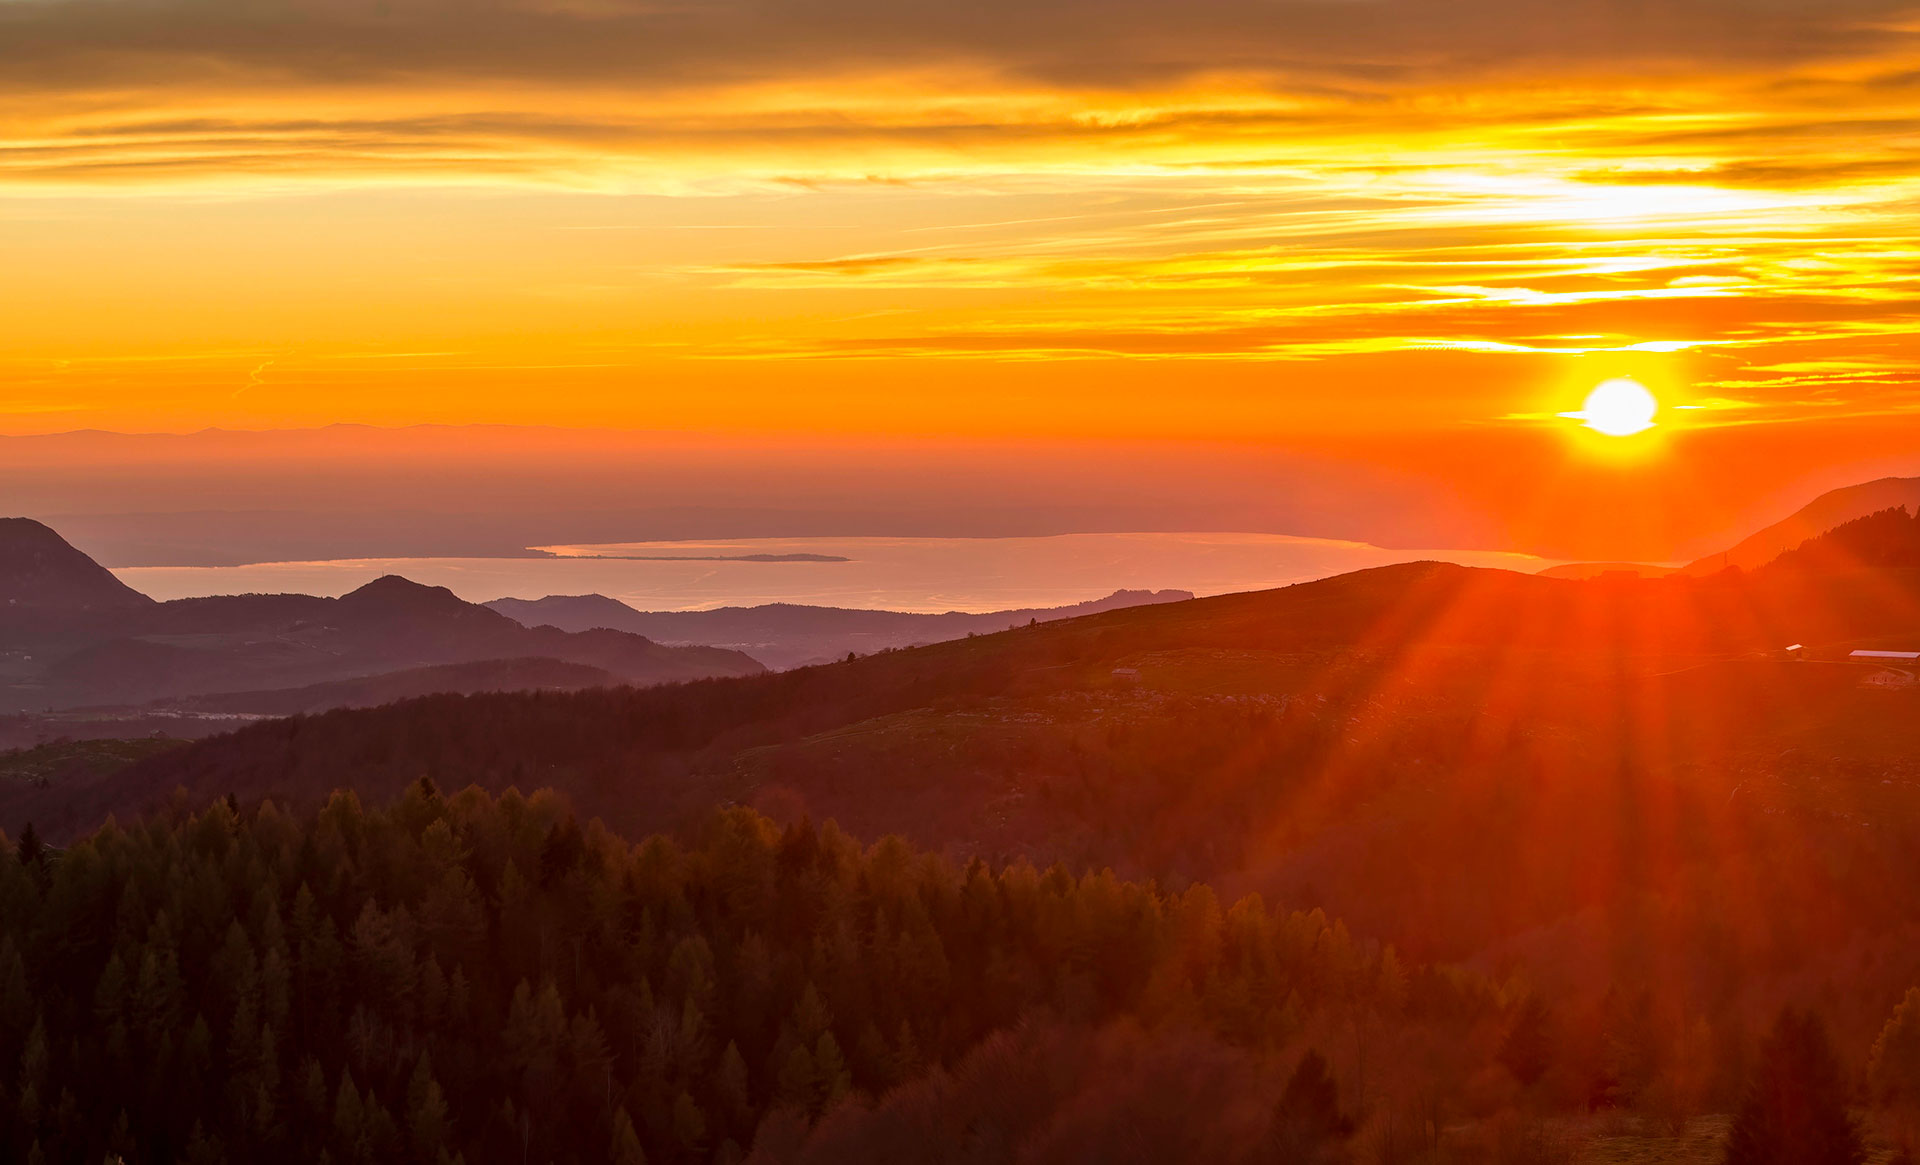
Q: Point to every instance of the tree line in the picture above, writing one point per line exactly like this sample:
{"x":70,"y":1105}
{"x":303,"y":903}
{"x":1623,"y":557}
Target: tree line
{"x":480,"y":980}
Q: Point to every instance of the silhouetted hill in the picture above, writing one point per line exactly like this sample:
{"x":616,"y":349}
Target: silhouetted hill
{"x":40,"y":570}
{"x":1888,"y":539}
{"x":73,"y":635}
{"x":392,"y":598}
{"x":1607,"y":781}
{"x":1825,"y":512}
{"x":783,"y":635}
{"x":643,"y":758}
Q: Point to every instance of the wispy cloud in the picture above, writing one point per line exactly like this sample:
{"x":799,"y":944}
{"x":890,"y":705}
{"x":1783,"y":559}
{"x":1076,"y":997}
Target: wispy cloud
{"x":1729,"y":185}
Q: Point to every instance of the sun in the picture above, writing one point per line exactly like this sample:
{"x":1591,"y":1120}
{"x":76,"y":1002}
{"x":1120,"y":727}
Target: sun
{"x":1618,"y":408}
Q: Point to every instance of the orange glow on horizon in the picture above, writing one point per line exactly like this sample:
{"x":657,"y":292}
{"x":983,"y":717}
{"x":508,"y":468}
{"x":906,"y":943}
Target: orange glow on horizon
{"x":1020,"y":228}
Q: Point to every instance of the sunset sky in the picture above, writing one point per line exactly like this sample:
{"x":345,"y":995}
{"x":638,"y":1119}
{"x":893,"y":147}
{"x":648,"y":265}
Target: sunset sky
{"x":1402,"y":235}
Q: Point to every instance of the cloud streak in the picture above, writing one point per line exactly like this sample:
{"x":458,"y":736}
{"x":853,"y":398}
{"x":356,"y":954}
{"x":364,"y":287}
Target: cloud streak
{"x":1721,"y":192}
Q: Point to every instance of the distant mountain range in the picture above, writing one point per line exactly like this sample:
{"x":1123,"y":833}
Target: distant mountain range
{"x":785,"y":635}
{"x":982,"y":743}
{"x":71,"y":634}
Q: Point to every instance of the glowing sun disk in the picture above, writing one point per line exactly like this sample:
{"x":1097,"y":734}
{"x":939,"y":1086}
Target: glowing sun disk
{"x":1618,"y":408}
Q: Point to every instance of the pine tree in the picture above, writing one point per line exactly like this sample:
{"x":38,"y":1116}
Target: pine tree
{"x":689,"y":1124}
{"x":29,"y":850}
{"x":1893,"y":1068}
{"x":314,"y":1113}
{"x":905,"y":1060}
{"x":799,"y":1082}
{"x":1307,"y":1124}
{"x":830,"y":1068}
{"x":350,"y":1122}
{"x":1795,"y":1112}
{"x":625,"y":1147}
{"x":730,"y":1080}
{"x":384,"y":1142}
{"x":426,"y":1113}
{"x":31,"y":1102}
{"x":16,"y":998}
{"x":1526,"y":1051}
{"x":810,"y":1016}
{"x":203,"y":1149}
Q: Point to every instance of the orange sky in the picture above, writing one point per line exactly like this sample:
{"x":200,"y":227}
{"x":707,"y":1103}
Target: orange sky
{"x":1363,"y":228}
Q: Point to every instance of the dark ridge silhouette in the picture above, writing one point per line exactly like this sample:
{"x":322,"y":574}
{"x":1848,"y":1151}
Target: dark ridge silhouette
{"x":393,"y":597}
{"x":1830,"y":509}
{"x":1887,"y":539}
{"x":41,"y":571}
{"x":1280,"y":739}
{"x":1559,"y":632}
{"x":72,"y":635}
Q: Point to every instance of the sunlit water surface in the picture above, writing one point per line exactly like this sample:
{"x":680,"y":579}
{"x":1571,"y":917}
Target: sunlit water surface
{"x":900,"y":574}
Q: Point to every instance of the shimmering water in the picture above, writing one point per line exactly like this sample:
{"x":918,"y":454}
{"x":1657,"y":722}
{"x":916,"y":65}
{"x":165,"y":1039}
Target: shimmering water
{"x":901,"y":574}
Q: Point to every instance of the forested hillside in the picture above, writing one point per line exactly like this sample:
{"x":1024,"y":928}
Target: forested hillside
{"x":1887,"y":539}
{"x":484,"y":980}
{"x":1612,"y":798}
{"x":638,"y":757}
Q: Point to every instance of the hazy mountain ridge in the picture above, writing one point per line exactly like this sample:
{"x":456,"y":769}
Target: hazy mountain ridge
{"x":703,"y":732}
{"x":1888,"y":539}
{"x":784,"y":635}
{"x":1830,"y":509}
{"x":68,"y":638}
{"x":39,"y":570}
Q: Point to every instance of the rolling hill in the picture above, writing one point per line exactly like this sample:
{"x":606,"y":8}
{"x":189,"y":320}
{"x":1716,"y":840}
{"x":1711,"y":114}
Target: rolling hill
{"x":875,"y":741}
{"x":1561,"y":631}
{"x":1823,"y":513}
{"x":1615,"y":794}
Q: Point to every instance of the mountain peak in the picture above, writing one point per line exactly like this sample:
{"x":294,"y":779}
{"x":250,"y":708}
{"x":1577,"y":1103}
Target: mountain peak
{"x":393,"y":595}
{"x":39,"y":568}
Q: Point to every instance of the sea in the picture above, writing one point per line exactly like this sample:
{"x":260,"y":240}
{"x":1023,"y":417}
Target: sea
{"x":895,"y":574}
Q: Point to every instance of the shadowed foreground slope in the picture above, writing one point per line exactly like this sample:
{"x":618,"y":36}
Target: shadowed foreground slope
{"x":1616,"y":798}
{"x":486,"y":982}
